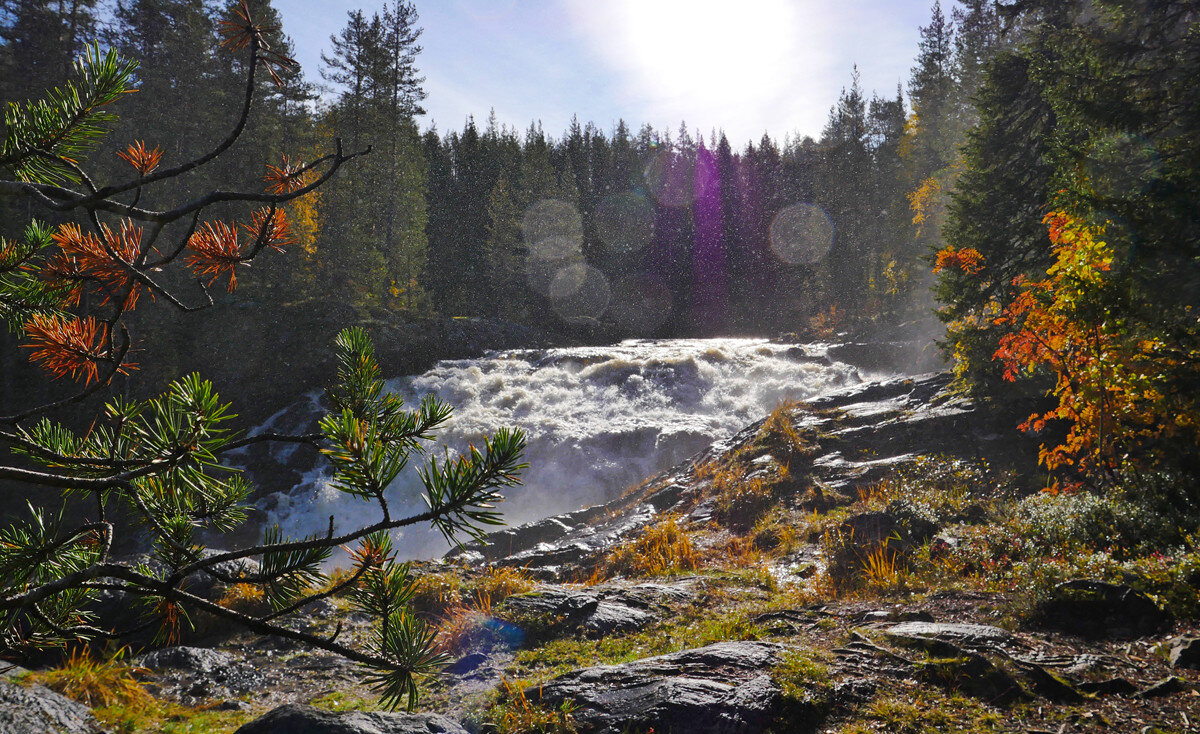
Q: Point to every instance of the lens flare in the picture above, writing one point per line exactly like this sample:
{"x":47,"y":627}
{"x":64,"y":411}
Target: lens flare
{"x":551,"y":218}
{"x":801,"y":234}
{"x":640,"y":303}
{"x":580,"y":293}
{"x":553,"y":234}
{"x":625,"y":222}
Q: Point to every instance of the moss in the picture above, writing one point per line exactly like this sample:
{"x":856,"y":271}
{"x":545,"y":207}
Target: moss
{"x":925,"y":711}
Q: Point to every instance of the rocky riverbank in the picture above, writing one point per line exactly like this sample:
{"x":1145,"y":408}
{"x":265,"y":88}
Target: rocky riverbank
{"x":818,"y":571}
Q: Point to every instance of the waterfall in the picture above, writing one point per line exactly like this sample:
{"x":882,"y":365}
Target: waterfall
{"x":598,"y":420}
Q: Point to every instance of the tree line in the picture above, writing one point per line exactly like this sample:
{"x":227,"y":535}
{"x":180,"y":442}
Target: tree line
{"x":626,"y":231}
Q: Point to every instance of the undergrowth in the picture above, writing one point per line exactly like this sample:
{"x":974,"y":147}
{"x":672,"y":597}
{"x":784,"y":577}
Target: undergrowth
{"x":661,"y":549}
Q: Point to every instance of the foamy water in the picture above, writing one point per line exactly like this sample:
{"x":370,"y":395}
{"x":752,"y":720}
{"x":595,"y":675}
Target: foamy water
{"x":598,"y":419}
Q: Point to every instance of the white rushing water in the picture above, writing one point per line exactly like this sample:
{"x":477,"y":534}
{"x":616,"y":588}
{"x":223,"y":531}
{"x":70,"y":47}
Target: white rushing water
{"x":598,"y":419}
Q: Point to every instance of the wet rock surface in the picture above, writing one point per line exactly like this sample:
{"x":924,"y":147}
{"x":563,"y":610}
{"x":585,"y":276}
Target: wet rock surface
{"x":719,"y":689}
{"x":865,"y":433}
{"x":295,"y":719}
{"x":599,"y":610}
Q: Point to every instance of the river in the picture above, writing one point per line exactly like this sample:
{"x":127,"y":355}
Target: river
{"x":598,"y":419}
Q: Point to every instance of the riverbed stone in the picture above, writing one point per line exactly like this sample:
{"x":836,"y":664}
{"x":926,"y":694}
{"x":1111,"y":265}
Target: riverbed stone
{"x":39,"y":710}
{"x":724,"y":688}
{"x":186,"y":658}
{"x":297,"y":719}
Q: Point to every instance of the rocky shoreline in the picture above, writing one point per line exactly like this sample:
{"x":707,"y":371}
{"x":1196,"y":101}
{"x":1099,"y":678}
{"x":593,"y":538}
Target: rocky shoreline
{"x":765,"y":644}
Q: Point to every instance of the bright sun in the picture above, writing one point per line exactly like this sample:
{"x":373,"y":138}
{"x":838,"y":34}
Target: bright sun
{"x":701,"y":49}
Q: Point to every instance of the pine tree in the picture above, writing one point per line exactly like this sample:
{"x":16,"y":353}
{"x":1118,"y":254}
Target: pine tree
{"x":159,"y":468}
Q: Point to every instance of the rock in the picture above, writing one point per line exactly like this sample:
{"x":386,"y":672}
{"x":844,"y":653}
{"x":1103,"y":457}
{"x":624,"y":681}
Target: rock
{"x":297,"y":719}
{"x":1051,"y":686}
{"x":896,"y":615}
{"x":1164,"y":687}
{"x":39,"y":710}
{"x":1096,"y":609}
{"x":466,"y":664}
{"x":609,"y":617}
{"x":928,"y":635}
{"x":724,"y":688}
{"x":190,"y":659}
{"x":1108,"y":687}
{"x":552,"y":601}
{"x":599,"y":610}
{"x":1185,"y":652}
{"x":974,"y":675}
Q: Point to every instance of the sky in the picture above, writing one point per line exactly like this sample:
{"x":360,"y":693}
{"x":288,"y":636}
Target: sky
{"x":746,"y":66}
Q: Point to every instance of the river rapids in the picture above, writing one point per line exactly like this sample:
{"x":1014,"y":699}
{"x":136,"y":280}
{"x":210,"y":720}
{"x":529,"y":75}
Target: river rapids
{"x":598,"y":419}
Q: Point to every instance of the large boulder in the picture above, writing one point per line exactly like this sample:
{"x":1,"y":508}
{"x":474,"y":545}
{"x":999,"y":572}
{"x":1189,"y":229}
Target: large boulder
{"x":39,"y":710}
{"x":296,"y":719}
{"x":599,"y":610}
{"x":724,"y":688}
{"x":1097,"y":610}
{"x":191,"y":659}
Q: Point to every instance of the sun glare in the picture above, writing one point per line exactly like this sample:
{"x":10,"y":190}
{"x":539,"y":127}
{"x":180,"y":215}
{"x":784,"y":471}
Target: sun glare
{"x":745,"y":65}
{"x":708,"y":48}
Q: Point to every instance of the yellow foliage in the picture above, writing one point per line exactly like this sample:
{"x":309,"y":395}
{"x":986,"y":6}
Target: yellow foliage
{"x":96,"y":682}
{"x":499,"y":583}
{"x":660,"y":549}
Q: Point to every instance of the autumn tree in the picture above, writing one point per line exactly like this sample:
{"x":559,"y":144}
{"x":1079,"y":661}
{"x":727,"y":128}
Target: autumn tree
{"x":160,"y":467}
{"x":1082,"y":118}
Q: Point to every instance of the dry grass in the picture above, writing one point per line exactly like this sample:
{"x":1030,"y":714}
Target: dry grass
{"x":660,"y":550}
{"x":499,"y":583}
{"x":245,"y":598}
{"x":741,"y":551}
{"x":435,"y":593}
{"x":463,"y":625}
{"x":852,"y":564}
{"x":741,"y":503}
{"x":108,"y":682}
{"x":779,"y":421}
{"x":516,"y":714}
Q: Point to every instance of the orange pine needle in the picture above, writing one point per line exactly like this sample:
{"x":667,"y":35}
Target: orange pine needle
{"x":108,"y":259}
{"x":271,"y":228}
{"x":143,"y":161}
{"x":215,"y":252}
{"x":240,"y":29}
{"x":285,"y":178}
{"x":68,"y":346}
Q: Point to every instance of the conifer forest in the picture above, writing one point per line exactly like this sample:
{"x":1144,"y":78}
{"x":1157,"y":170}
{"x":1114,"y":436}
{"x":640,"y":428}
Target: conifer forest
{"x":320,"y":412}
